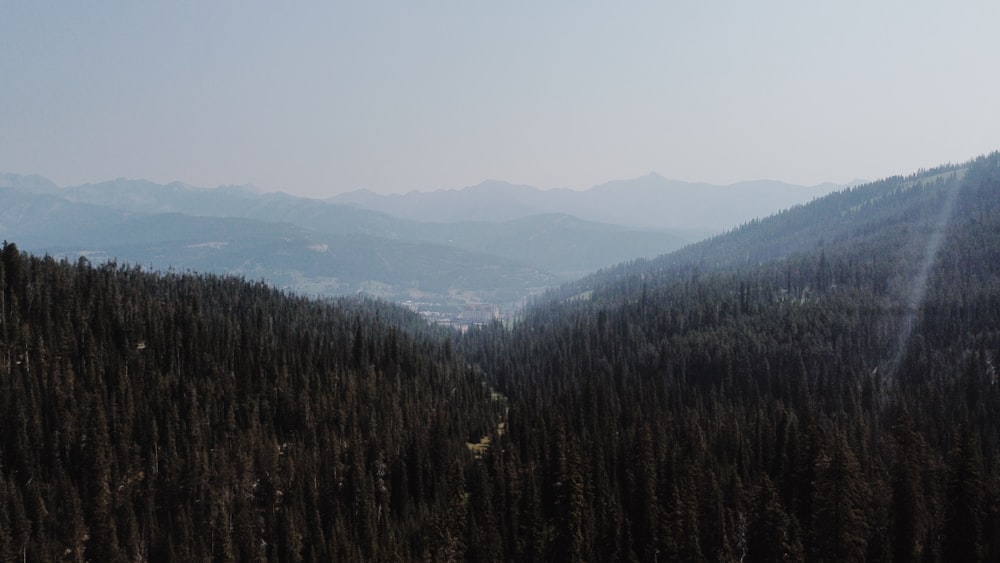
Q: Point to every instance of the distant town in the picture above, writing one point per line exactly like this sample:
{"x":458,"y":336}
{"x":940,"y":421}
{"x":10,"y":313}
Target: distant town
{"x":468,"y":316}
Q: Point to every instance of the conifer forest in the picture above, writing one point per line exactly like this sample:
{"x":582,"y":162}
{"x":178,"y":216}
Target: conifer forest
{"x":818,"y":385}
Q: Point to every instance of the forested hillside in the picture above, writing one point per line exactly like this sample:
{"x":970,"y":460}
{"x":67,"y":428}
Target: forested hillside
{"x":832,"y":397}
{"x":820,"y":385}
{"x":181,"y":418}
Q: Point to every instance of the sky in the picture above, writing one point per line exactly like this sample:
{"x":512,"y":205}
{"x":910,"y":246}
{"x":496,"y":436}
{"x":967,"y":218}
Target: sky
{"x":319,"y":98}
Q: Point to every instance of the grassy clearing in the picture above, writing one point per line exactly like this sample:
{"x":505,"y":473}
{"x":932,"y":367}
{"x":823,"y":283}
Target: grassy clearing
{"x":479,"y":448}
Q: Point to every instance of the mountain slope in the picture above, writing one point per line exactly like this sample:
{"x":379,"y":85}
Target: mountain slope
{"x":140,"y":196}
{"x":491,"y":200}
{"x":904,"y":209}
{"x":296,"y":259}
{"x":180,"y":417}
{"x":285,"y":255}
{"x":833,"y":396}
{"x":42,"y":219}
{"x":717,"y":405}
{"x":565,"y":246}
{"x":558,"y":243}
{"x":31,"y":182}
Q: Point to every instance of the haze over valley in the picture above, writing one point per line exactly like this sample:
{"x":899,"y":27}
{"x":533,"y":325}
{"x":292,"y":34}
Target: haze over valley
{"x":819,"y":383}
{"x":491,"y":244}
{"x":499,"y":282}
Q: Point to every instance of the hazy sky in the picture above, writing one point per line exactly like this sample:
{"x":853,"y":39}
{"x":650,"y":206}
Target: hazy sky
{"x":318,"y":98}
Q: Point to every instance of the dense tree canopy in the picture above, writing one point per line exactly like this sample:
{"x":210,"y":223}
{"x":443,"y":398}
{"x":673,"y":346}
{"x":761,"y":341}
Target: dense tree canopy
{"x":183,"y":417}
{"x":820,"y":385}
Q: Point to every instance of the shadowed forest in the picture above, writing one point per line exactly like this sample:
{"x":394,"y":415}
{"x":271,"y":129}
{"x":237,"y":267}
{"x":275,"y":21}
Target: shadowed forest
{"x":818,"y":385}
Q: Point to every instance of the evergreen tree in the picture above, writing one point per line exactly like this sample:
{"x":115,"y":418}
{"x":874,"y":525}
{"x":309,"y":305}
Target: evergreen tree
{"x":771,"y":533}
{"x":966,"y":500}
{"x":910,"y":524}
{"x":840,"y":523}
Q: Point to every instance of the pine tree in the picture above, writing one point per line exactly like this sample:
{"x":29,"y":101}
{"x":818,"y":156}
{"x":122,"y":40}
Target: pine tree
{"x":909,"y":509}
{"x":771,"y":533}
{"x":965,"y":508}
{"x":840,"y":523}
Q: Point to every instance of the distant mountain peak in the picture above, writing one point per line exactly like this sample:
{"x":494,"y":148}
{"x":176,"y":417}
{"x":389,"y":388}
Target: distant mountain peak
{"x":29,"y":182}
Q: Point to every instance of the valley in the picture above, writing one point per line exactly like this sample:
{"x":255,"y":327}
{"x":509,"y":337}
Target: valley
{"x":491,"y":282}
{"x":447,"y":255}
{"x":817,"y":384}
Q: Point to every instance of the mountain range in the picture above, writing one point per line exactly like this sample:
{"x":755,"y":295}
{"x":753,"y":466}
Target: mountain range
{"x":817,"y":385}
{"x":494,"y":242}
{"x":647,"y":202}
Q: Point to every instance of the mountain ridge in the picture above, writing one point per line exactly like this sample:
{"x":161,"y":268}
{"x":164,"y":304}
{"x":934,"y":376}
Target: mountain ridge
{"x":832,"y":395}
{"x":646,"y":202}
{"x":106,"y":220}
